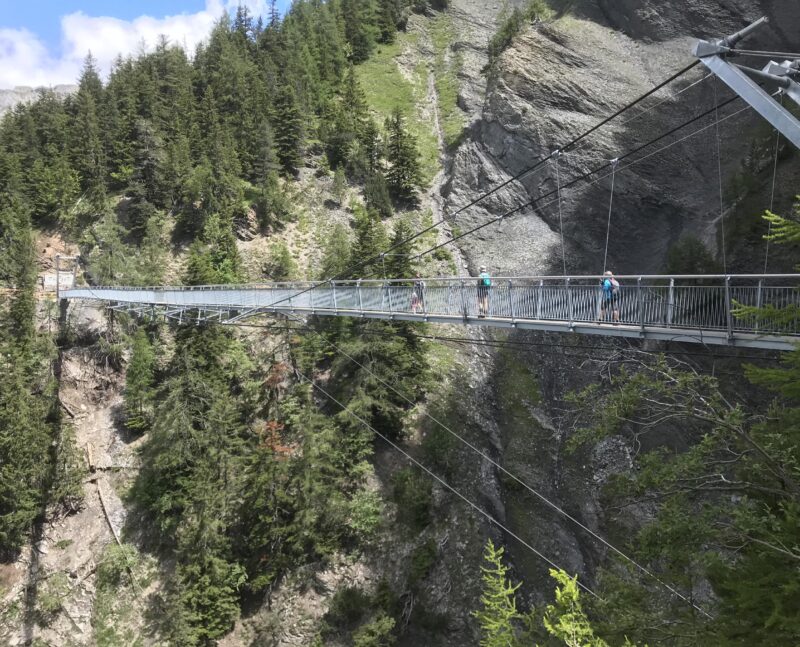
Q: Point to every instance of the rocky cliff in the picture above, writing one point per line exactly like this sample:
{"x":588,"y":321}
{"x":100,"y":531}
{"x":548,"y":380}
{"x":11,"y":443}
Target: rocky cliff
{"x":24,"y":94}
{"x":562,"y":77}
{"x":556,"y":80}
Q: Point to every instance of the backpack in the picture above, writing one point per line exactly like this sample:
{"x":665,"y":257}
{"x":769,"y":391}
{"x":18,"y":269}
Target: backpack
{"x":611,"y":286}
{"x":485,"y":280}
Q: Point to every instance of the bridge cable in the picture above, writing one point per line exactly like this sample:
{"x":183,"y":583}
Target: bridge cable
{"x":772,"y":194}
{"x":500,"y":467}
{"x":719,"y":169}
{"x":441,"y":481}
{"x":560,"y":218}
{"x":507,"y":343}
{"x":344,"y":273}
{"x":610,"y":205}
{"x":649,"y":109}
{"x":589,"y":173}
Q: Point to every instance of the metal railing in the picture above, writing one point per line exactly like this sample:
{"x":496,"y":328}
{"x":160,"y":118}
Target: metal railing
{"x":706,"y":303}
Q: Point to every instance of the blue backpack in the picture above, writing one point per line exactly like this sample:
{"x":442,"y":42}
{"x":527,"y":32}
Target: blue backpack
{"x":485,"y":280}
{"x":610,"y":287}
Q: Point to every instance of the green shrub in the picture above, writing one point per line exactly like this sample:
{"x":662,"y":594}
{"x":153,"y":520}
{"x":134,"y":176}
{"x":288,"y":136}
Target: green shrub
{"x":513,"y":25}
{"x":442,"y":254}
{"x":422,"y":560}
{"x":348,"y":607}
{"x":438,"y":446}
{"x":281,"y":265}
{"x":690,"y":256}
{"x":412,"y":494}
{"x":377,"y":633}
{"x":116,"y":563}
{"x":51,"y":596}
{"x":365,"y":514}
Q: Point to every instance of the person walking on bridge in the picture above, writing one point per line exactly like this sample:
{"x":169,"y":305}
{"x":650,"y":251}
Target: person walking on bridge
{"x":484,"y":285}
{"x":418,"y":294}
{"x":609,"y":299}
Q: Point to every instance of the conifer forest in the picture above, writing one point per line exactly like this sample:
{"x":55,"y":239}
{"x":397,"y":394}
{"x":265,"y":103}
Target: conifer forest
{"x":312,"y":480}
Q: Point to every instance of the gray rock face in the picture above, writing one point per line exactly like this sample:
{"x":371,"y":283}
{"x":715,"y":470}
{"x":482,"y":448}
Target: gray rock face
{"x":559,"y":79}
{"x":24,"y":94}
{"x":555,"y":82}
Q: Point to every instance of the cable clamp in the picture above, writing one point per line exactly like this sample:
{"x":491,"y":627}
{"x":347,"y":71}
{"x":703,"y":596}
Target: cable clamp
{"x":615,"y":161}
{"x":555,"y":154}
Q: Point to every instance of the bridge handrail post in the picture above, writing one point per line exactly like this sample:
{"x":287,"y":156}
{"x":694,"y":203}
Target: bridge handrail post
{"x":539,"y":298}
{"x":759,"y":300}
{"x":333,"y":288}
{"x":510,"y":301}
{"x":388,"y":290}
{"x":311,"y":298}
{"x":569,"y":301}
{"x":360,"y":302}
{"x":463,"y":299}
{"x":728,"y":307}
{"x":671,"y":302}
{"x":640,"y":302}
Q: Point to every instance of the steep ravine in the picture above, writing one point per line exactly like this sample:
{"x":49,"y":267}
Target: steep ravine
{"x":555,"y":81}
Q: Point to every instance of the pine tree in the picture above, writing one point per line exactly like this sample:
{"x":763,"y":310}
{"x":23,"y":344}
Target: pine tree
{"x":403,"y":175}
{"x":288,"y":129}
{"x":88,"y":151}
{"x":336,"y":258}
{"x":376,"y":195}
{"x":498,"y":616}
{"x":140,"y":383}
{"x":358,"y":17}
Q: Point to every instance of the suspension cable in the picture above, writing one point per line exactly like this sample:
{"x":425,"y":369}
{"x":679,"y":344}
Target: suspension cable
{"x":610,"y":205}
{"x":362,"y":263}
{"x":588,"y":174}
{"x":763,"y":54}
{"x":440,"y":480}
{"x":649,"y":109}
{"x":719,"y":169}
{"x":505,"y":471}
{"x":772,"y":194}
{"x":556,"y":156}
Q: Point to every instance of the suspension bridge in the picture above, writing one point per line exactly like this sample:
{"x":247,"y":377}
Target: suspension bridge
{"x":701,"y":309}
{"x":695,"y":309}
{"x":705,"y":309}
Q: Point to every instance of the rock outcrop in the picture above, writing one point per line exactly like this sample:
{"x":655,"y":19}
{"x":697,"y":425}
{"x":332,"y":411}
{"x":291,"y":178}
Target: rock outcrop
{"x":560,"y":78}
{"x":25,"y":94}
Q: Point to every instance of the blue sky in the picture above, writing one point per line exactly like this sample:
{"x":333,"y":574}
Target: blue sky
{"x":42,"y":42}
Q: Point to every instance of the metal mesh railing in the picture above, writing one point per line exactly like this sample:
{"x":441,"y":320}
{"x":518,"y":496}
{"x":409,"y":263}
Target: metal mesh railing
{"x":686,"y":302}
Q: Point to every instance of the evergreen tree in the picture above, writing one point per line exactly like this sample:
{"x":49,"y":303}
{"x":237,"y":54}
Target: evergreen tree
{"x":288,"y":129}
{"x":88,"y":151}
{"x":140,"y":383}
{"x":337,"y":253}
{"x":359,"y":28}
{"x":499,"y":616}
{"x":376,"y":195}
{"x":403,"y":175}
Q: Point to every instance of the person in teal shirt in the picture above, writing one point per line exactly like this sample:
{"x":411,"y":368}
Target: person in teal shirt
{"x":484,"y":285}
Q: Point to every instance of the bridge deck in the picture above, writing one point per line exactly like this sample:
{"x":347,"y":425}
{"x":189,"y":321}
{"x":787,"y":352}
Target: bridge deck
{"x":696,"y":309}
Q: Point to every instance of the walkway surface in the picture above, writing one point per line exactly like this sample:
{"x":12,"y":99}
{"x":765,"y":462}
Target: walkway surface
{"x":696,"y":309}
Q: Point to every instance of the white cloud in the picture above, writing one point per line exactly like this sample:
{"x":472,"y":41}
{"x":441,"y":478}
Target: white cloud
{"x":25,"y":59}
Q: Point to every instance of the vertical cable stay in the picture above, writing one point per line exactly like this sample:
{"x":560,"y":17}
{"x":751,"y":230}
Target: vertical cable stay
{"x":441,"y":481}
{"x":772,"y":194}
{"x":614,"y":164}
{"x":556,"y":154}
{"x":719,"y":173}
